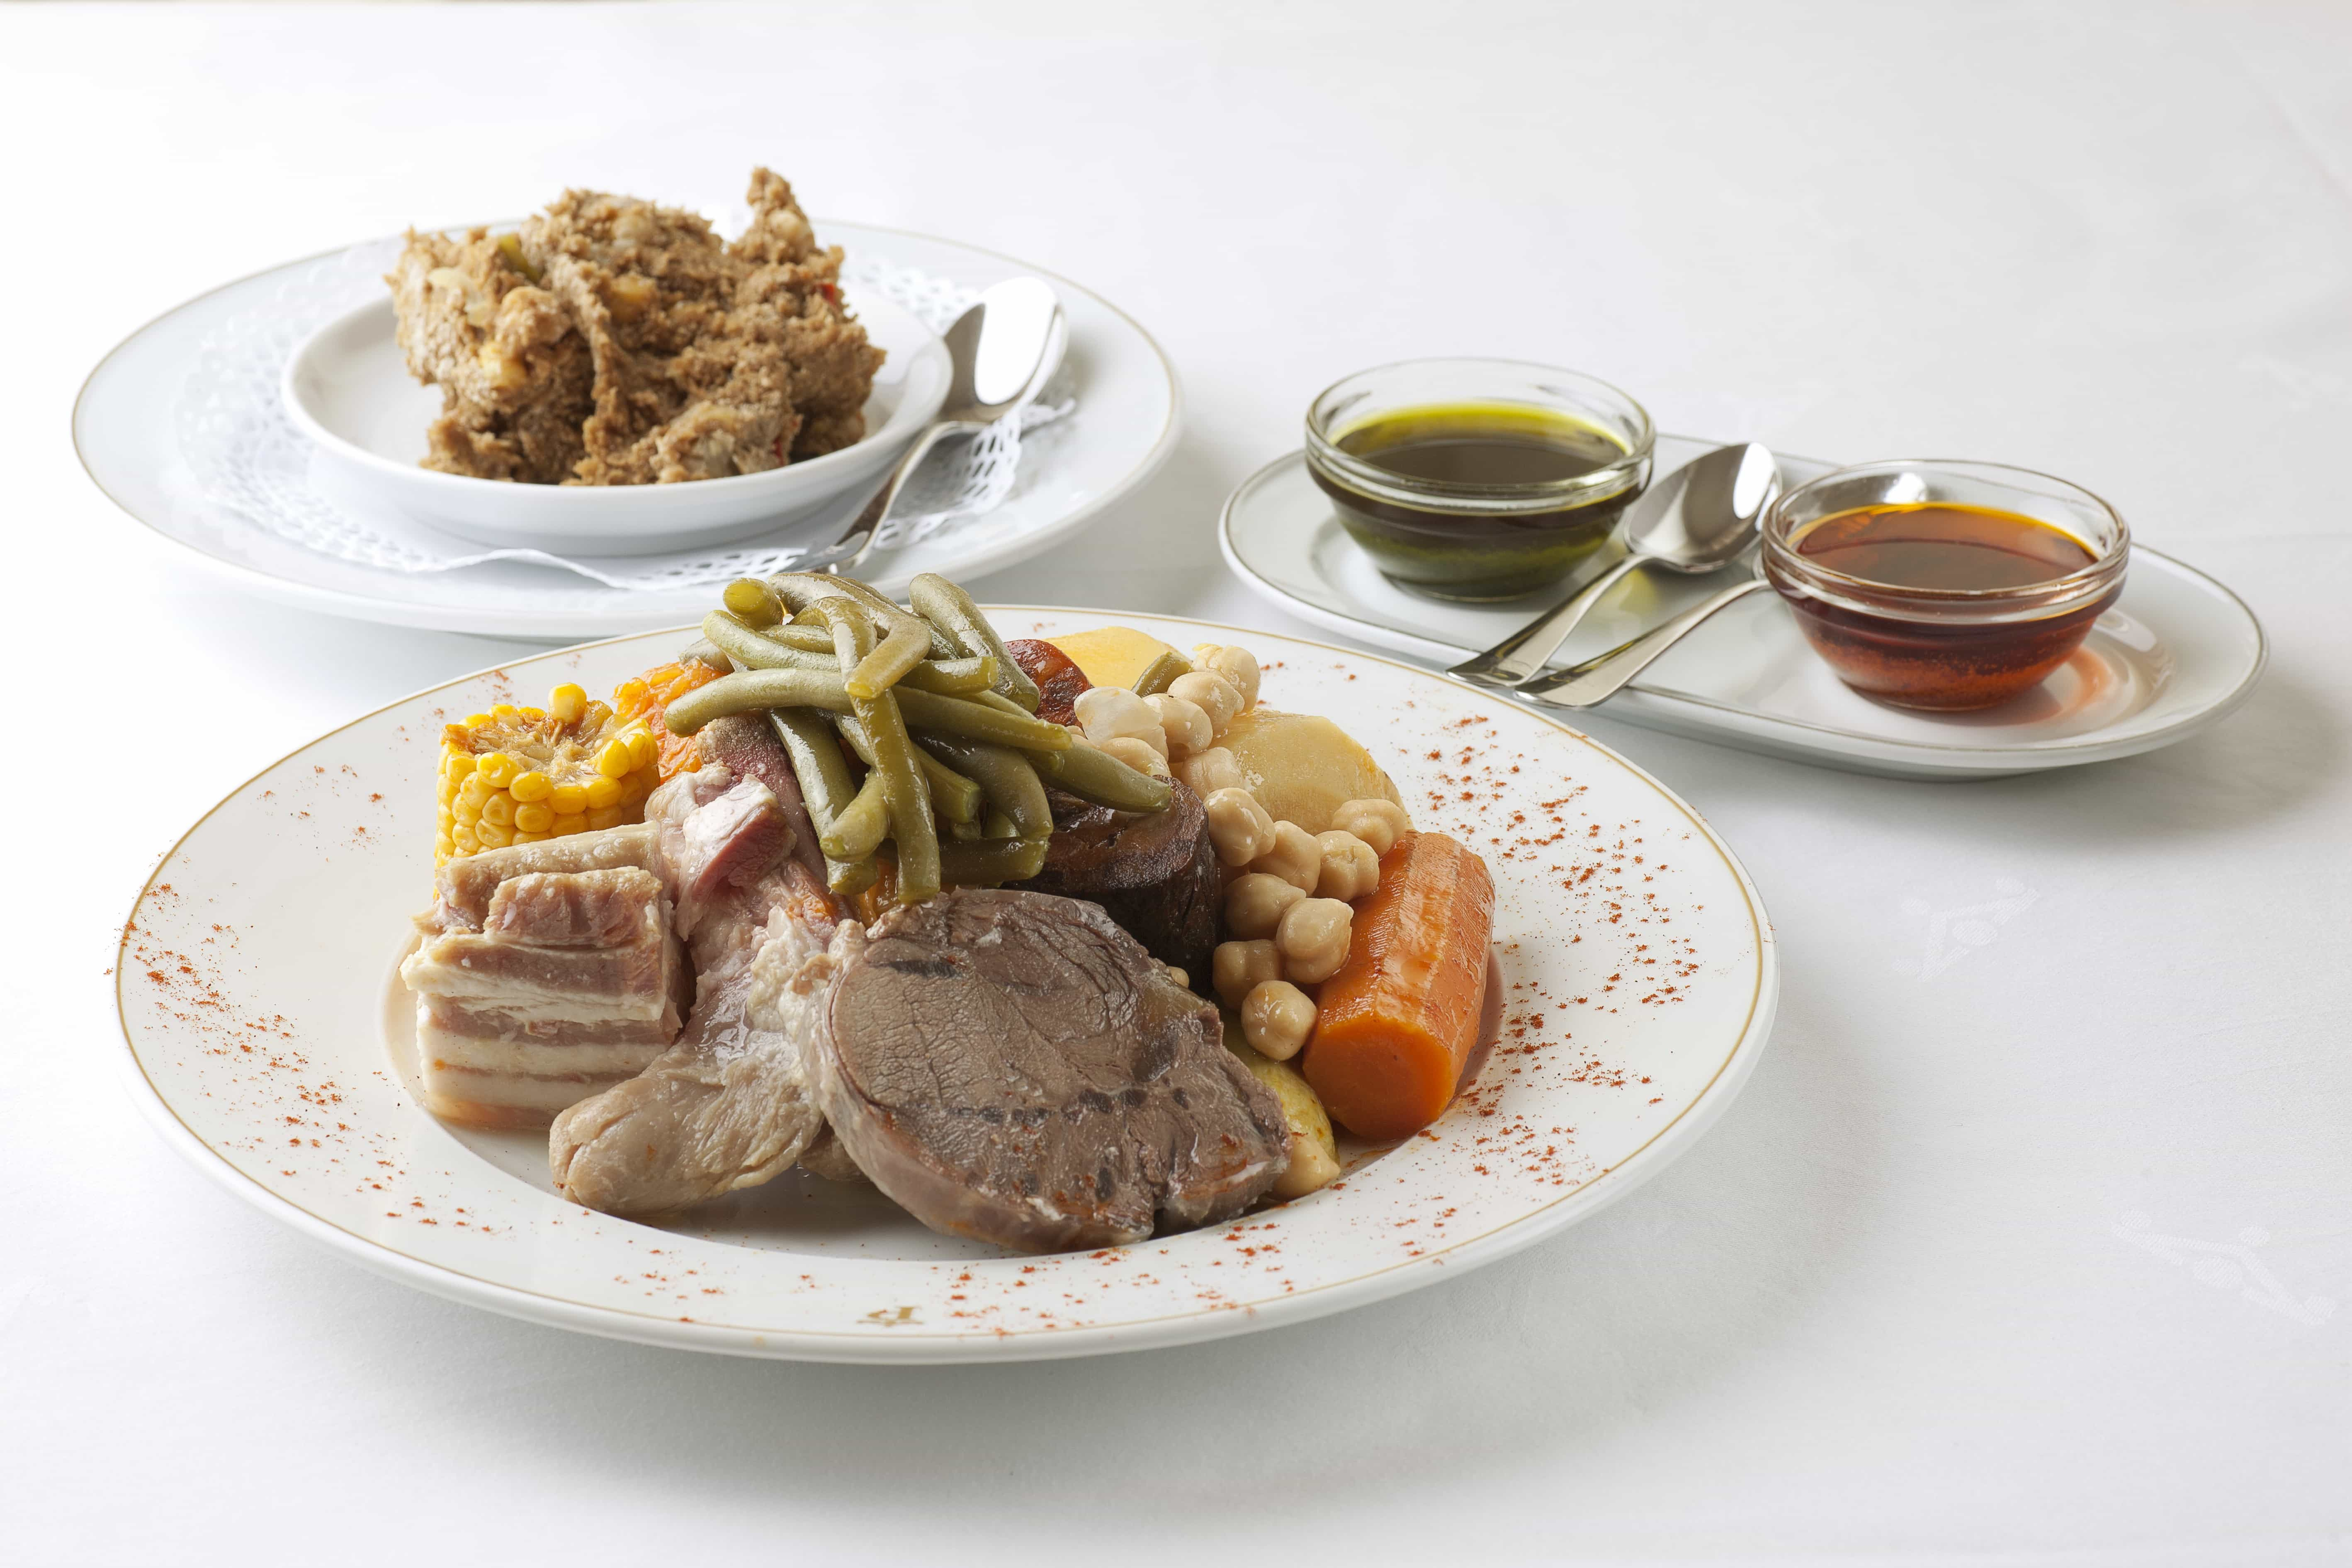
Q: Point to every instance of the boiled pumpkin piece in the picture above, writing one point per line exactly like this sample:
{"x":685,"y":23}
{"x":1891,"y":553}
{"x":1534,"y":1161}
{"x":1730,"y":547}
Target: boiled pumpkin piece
{"x":1112,"y":656}
{"x":1302,"y":767}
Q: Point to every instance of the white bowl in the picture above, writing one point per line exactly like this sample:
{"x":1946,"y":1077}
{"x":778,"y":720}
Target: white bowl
{"x":348,"y":389}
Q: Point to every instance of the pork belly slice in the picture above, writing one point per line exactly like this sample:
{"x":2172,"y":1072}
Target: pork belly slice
{"x":515,"y":1101}
{"x":538,"y":1058}
{"x":450,"y":1017}
{"x":554,"y":984}
{"x":465,"y":885}
{"x":576,"y":909}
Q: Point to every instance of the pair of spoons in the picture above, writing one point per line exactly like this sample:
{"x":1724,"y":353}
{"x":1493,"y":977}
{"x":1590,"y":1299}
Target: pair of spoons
{"x":1700,"y":518}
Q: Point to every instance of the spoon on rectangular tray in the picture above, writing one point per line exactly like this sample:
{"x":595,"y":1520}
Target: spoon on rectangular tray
{"x":1599,"y":678}
{"x":1001,"y":353}
{"x":1698,"y":519}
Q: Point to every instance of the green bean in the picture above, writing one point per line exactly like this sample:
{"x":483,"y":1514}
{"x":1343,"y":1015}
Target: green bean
{"x":805,"y":590}
{"x":912,"y":824}
{"x":968,"y":719}
{"x":754,"y":601}
{"x":959,"y":832}
{"x":861,"y":825}
{"x":1006,"y":776}
{"x":1001,"y":704}
{"x":954,"y":797}
{"x":826,"y":787}
{"x":1096,"y":775}
{"x":807,"y":638}
{"x":1161,"y":673}
{"x":952,"y":677}
{"x":751,"y":649}
{"x":749,"y":690}
{"x":897,"y":764}
{"x":998,"y":826}
{"x":950,"y":609}
{"x":889,"y":612}
{"x":991,"y":863}
{"x":893,"y":656}
{"x":702,"y":650}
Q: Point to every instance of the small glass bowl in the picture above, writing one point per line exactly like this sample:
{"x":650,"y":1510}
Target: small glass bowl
{"x":1949,"y":649}
{"x":1476,"y":542}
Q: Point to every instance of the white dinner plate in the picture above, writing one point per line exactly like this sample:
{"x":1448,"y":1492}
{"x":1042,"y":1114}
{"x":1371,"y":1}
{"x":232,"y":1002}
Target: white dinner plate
{"x":260,"y":1022}
{"x":2177,"y":652}
{"x":348,"y":390}
{"x":126,"y":430}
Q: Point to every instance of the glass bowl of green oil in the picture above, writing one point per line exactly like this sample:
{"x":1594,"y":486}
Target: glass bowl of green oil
{"x":1478,"y":479}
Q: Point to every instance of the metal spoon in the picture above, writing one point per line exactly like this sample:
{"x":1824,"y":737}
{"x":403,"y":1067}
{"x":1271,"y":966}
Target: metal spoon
{"x":1583,"y":685}
{"x":1002,"y":352}
{"x":1698,"y":519}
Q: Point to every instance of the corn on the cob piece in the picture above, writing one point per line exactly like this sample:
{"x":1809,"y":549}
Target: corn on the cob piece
{"x":518,"y":775}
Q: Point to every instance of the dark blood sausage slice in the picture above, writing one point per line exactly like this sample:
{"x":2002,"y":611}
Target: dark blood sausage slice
{"x":1156,"y":873}
{"x":1014,"y":1068}
{"x":1059,"y":681}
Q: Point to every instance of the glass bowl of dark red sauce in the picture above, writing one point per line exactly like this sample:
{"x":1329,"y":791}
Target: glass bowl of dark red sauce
{"x":1944,"y":585}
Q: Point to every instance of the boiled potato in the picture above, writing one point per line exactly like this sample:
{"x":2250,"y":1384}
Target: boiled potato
{"x":1313,"y":1151}
{"x":1112,"y":656}
{"x":1303,"y":767}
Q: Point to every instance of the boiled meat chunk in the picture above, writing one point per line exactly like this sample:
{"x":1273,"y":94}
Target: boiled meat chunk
{"x":1014,"y":1067}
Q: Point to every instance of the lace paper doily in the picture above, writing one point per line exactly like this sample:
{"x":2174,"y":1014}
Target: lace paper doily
{"x":250,"y":466}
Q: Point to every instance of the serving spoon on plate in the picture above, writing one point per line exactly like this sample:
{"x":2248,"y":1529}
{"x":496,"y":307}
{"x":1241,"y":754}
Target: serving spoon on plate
{"x":1695,"y":520}
{"x":1001,"y":353}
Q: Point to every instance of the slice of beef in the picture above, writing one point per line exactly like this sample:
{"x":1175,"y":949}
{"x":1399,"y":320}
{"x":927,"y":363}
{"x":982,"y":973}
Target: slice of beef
{"x":1012,"y":1066}
{"x":1058,"y":677}
{"x":1156,"y":873}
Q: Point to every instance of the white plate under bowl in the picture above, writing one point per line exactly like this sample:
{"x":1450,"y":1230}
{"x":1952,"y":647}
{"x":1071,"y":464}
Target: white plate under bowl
{"x":2177,"y":653}
{"x":1071,"y":471}
{"x":1639,"y":978}
{"x":347,"y":387}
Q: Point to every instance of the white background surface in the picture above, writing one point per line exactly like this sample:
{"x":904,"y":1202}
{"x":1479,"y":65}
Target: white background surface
{"x":1893,"y":1308}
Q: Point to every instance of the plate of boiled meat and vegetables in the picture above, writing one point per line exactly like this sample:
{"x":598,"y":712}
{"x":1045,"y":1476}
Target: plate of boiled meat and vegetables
{"x":852,"y":980}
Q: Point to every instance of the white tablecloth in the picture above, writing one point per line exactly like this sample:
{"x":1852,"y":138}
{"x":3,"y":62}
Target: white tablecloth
{"x":2032,"y":1240}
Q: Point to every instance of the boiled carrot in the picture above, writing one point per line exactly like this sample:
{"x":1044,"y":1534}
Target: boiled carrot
{"x":1395,"y":1026}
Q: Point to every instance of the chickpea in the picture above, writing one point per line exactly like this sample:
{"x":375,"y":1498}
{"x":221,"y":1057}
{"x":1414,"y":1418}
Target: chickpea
{"x":1211,"y":771}
{"x":1378,"y":823}
{"x":1182,"y":725}
{"x":1237,"y":968}
{"x":1312,"y":1168}
{"x":1178,"y":975}
{"x":1350,"y":870}
{"x":1239,"y":667}
{"x":1136,"y":754}
{"x":1108,"y":713}
{"x":1313,"y":939}
{"x":1256,"y":902}
{"x":1238,"y":826}
{"x":1276,"y":1018}
{"x":1215,"y":696}
{"x":1294,"y":857}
